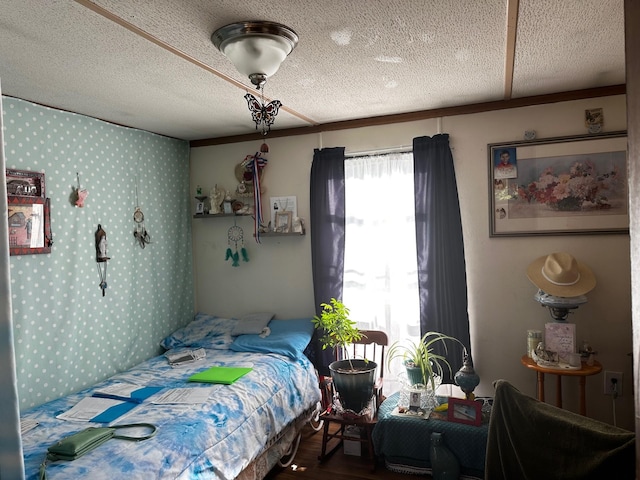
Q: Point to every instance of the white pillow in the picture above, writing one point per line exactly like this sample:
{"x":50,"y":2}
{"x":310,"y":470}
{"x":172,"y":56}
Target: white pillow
{"x":252,"y":323}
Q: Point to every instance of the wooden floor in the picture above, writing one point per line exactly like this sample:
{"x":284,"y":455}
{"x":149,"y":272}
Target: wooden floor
{"x":338,"y":467}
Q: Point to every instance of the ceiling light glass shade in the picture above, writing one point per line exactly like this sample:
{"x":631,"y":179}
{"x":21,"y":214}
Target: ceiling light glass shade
{"x":256,"y":48}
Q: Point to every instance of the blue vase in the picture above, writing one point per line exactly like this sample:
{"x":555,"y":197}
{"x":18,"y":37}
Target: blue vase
{"x":444,"y":464}
{"x":467,"y":378}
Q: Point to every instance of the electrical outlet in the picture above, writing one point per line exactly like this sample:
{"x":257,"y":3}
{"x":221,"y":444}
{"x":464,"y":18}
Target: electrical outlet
{"x":608,"y":382}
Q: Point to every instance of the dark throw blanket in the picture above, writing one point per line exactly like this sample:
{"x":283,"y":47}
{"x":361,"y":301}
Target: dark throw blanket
{"x":531,"y":440}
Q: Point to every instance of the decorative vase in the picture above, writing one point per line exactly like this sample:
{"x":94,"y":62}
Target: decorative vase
{"x":444,"y":464}
{"x":467,"y":378}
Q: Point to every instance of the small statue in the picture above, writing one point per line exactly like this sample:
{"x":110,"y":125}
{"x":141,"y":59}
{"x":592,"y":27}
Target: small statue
{"x":101,"y":257}
{"x":544,"y":357}
{"x":217,"y":197}
{"x":101,"y":245}
{"x":297,"y":225}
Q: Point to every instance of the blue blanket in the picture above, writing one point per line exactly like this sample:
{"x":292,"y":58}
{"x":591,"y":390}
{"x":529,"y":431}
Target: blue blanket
{"x":214,"y":440}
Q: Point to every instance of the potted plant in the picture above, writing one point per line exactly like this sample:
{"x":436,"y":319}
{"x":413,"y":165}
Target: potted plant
{"x":353,"y":378}
{"x":423,"y":365}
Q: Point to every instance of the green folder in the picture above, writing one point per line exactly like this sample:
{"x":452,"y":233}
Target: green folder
{"x":225,"y":375}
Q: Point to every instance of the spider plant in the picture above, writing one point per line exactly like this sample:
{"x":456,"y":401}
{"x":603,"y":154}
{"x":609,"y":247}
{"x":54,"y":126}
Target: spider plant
{"x":419,"y":354}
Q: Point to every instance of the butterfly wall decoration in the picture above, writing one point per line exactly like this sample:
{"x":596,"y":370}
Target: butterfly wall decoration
{"x":263,"y":114}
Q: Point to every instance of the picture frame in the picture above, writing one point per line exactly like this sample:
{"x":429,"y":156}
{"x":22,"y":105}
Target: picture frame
{"x":283,"y":222}
{"x":29,"y":226}
{"x":283,"y":204}
{"x":414,"y":400}
{"x":25,"y":184}
{"x":571,"y":185}
{"x":464,"y":411}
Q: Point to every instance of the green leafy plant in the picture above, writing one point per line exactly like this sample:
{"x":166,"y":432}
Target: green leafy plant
{"x":420,"y":354}
{"x":339,"y":330}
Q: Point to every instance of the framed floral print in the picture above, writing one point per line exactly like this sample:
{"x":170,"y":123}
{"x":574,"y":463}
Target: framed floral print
{"x":559,"y":186}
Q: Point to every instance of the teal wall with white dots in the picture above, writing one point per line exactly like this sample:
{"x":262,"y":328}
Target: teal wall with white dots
{"x":67,"y":334}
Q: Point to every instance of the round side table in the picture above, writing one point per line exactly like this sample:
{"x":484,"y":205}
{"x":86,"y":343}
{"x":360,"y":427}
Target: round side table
{"x":582,"y":374}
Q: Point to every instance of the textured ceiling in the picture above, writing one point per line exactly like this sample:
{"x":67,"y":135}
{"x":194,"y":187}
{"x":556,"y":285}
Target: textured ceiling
{"x":150,"y":64}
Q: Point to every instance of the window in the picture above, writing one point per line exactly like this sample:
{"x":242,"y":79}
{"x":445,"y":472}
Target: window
{"x":380,"y":267}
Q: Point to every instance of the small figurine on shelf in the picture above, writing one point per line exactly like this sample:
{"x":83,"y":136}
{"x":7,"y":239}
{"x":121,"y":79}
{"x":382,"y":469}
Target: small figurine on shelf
{"x":217,"y":197}
{"x":587,"y":351}
{"x":298,"y":225}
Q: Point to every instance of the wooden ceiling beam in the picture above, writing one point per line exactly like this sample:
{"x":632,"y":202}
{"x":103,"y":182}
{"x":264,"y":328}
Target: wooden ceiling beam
{"x":421,"y":115}
{"x":510,"y":51}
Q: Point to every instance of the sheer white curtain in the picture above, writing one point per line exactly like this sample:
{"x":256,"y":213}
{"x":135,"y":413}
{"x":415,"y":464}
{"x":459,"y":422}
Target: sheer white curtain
{"x":380,"y":267}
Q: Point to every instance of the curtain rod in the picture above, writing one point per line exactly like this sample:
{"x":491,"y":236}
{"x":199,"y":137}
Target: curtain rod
{"x":380,"y":151}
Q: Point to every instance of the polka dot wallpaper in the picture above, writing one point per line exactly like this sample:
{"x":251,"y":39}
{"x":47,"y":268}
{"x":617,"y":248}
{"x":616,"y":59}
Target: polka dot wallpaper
{"x":67,"y":334}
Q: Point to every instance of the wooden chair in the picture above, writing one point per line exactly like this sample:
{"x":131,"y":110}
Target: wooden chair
{"x":372,"y":347}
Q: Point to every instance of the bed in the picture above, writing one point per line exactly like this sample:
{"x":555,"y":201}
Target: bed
{"x":240,"y":431}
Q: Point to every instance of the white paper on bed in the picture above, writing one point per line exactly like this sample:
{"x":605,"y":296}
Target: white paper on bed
{"x":27,"y":424}
{"x":122,"y":390}
{"x":88,"y":408}
{"x":185,"y":395}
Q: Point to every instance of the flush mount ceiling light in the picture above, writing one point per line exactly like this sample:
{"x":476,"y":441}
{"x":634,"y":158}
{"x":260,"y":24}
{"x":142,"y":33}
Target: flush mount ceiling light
{"x":257,"y":49}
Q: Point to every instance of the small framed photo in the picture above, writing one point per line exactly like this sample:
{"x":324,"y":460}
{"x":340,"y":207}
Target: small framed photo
{"x":199,"y":208}
{"x":414,"y":400}
{"x":29,"y":226}
{"x":283,"y":222}
{"x":25,"y":184}
{"x":464,"y":411}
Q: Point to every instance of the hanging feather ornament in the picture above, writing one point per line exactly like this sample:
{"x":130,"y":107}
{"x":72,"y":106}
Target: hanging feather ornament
{"x":255,"y":164}
{"x":79,"y":193}
{"x":236,"y":235}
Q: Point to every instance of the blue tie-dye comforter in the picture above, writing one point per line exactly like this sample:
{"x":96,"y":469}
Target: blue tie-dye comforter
{"x":216,"y":440}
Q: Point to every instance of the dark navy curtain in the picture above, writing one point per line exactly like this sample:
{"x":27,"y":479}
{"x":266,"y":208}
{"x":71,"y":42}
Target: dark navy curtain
{"x":327,"y":238}
{"x":441,"y":265}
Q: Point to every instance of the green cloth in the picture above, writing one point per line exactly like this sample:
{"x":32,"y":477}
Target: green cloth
{"x":225,"y":375}
{"x":529,"y":439}
{"x":404,"y":441}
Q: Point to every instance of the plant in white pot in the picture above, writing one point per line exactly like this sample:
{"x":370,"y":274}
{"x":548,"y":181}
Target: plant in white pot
{"x":422,"y":364}
{"x":353,"y":378}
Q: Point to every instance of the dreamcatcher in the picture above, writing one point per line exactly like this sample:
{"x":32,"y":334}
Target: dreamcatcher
{"x":236,"y":235}
{"x":140,"y":232}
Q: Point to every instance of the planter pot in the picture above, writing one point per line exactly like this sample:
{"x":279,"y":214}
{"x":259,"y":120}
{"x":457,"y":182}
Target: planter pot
{"x":414,"y":377}
{"x":414,"y":374}
{"x":355,"y":387}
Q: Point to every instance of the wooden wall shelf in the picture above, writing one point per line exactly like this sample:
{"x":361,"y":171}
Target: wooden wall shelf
{"x":220,"y":215}
{"x":276,"y":234}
